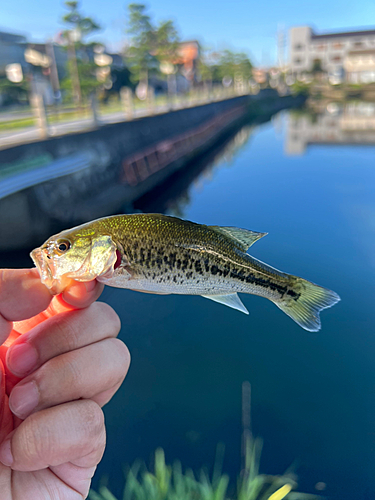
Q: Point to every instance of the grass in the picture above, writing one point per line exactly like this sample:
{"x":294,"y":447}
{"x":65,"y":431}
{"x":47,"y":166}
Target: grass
{"x":168,"y":482}
{"x":17,"y":123}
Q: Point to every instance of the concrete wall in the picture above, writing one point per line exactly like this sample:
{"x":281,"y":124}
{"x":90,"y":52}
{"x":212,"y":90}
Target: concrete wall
{"x":124,"y":162}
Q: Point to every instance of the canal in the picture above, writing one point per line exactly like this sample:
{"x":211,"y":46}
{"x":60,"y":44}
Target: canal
{"x":312,"y":189}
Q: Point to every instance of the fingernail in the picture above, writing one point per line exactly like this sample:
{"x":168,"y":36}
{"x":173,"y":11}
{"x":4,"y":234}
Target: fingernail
{"x":22,"y":358}
{"x":23,"y":399}
{"x":6,"y":456}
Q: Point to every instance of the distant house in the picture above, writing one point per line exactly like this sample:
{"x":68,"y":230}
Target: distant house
{"x":348,"y":54}
{"x":12,"y":49}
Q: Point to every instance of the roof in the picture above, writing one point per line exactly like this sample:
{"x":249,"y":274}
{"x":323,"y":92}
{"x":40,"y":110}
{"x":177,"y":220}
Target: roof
{"x":11,"y":37}
{"x":343,"y":34}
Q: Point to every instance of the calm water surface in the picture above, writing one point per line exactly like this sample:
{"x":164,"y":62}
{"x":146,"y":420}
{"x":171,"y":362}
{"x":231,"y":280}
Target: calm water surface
{"x":313,"y":398}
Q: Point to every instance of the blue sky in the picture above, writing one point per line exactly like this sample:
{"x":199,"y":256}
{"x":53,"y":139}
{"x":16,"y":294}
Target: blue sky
{"x":241,"y":25}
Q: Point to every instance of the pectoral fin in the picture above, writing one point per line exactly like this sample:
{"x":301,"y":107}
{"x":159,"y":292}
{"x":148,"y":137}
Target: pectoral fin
{"x":231,"y":300}
{"x":243,"y":237}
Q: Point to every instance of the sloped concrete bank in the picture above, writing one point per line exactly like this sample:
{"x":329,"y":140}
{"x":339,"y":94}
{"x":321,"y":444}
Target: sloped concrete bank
{"x":59,"y":182}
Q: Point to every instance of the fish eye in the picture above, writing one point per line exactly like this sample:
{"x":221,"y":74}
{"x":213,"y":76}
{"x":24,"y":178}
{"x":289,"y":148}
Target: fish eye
{"x":63,"y":245}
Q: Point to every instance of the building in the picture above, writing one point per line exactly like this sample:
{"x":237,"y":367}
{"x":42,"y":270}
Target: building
{"x":348,"y":55}
{"x":12,"y":48}
{"x":346,"y":124}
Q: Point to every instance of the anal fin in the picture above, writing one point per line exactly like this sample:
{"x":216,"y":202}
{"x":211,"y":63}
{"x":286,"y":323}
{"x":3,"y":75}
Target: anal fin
{"x":231,"y":300}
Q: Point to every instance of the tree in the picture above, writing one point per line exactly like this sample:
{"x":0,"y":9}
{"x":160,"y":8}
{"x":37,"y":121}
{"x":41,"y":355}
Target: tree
{"x":233,"y":65}
{"x":167,"y":43}
{"x":11,"y":93}
{"x":82,"y":26}
{"x":141,"y":53}
{"x":82,"y":79}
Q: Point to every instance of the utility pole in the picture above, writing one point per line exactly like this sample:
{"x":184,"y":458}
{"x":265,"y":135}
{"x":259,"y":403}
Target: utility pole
{"x":50,"y":50}
{"x":280,"y":46}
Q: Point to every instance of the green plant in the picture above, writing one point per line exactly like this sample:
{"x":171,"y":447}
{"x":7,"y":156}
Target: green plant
{"x":171,"y":483}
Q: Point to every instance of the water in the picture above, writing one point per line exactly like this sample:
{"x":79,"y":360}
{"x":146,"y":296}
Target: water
{"x":312,"y":394}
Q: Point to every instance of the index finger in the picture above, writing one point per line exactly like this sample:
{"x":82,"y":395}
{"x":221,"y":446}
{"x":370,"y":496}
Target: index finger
{"x":22,"y":294}
{"x":25,"y":300}
{"x":78,"y":295}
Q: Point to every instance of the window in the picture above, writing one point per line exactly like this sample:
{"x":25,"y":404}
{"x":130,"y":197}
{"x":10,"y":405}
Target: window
{"x":322,"y":46}
{"x":358,"y":44}
{"x":297,"y":60}
{"x":337,"y":45}
{"x":336,"y":59}
{"x":298,"y":46}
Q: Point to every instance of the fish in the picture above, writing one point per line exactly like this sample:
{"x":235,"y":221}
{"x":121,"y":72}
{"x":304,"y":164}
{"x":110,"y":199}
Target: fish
{"x":161,"y":254}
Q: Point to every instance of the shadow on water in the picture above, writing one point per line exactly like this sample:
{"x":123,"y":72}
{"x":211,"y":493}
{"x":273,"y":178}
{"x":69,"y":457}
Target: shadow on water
{"x":173,"y":195}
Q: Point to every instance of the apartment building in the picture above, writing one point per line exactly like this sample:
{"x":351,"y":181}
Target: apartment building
{"x":337,"y":124}
{"x":348,"y":55}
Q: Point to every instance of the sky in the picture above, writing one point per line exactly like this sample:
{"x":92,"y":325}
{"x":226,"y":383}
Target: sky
{"x":241,"y":25}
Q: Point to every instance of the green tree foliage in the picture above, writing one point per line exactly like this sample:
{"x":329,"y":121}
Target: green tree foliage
{"x":231,"y":64}
{"x":81,"y":68}
{"x":13,"y":92}
{"x":141,"y":56}
{"x":82,"y":25}
{"x":150,"y":45}
{"x":167,"y":42}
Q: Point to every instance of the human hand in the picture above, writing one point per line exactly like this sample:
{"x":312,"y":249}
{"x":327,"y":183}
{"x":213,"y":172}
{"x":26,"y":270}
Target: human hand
{"x":54,"y":378}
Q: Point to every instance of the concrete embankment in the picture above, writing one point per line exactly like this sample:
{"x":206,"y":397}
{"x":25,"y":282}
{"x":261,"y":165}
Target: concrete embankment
{"x":62,"y":181}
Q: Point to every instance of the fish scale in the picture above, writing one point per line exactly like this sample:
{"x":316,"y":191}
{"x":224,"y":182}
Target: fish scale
{"x":155,"y":253}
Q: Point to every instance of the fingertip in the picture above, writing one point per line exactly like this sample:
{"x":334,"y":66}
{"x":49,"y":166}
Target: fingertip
{"x":6,"y":457}
{"x":5,"y":329}
{"x":22,"y":294}
{"x":82,"y":294}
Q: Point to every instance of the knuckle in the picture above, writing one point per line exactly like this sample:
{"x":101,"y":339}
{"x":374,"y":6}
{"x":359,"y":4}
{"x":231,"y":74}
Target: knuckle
{"x":122,"y":353}
{"x":67,"y":330}
{"x":57,"y":376}
{"x":92,"y":419}
{"x":31,"y":443}
{"x":109,"y":316}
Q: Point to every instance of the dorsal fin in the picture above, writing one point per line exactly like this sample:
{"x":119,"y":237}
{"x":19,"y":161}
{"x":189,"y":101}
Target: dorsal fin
{"x":243,"y":237}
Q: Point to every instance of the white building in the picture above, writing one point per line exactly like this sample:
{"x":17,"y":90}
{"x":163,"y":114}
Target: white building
{"x":349,"y":55}
{"x":352,"y":123}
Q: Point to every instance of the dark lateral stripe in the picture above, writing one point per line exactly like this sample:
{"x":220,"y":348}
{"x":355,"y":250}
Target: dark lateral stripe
{"x":264,"y":283}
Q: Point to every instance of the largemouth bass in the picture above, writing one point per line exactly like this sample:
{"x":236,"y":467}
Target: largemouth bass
{"x":165,"y":255}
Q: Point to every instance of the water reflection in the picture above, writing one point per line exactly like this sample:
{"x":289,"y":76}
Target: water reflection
{"x":175,"y":195}
{"x":331,"y":123}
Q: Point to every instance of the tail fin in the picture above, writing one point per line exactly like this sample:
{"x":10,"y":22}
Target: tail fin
{"x":306,"y":303}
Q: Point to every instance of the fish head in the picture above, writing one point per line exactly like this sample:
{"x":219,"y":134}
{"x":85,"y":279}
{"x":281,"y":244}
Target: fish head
{"x":80,"y":254}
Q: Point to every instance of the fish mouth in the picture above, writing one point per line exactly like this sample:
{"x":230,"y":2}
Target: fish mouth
{"x":47,"y":272}
{"x":40,"y":260}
